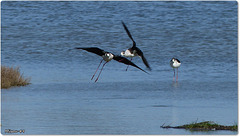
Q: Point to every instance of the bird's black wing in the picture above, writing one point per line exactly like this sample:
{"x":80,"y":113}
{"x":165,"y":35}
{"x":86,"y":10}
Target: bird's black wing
{"x":178,"y":61}
{"x":126,"y":61}
{"x":140,"y":53}
{"x":145,"y":62}
{"x":129,"y":34}
{"x":95,"y":50}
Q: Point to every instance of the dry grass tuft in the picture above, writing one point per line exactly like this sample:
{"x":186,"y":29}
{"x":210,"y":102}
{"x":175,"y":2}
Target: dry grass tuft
{"x":11,"y":77}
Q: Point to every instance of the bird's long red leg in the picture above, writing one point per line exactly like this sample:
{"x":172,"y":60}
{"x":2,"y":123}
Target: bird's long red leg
{"x":97,"y":69}
{"x":173,"y":74}
{"x":128,"y":64}
{"x":101,"y":71}
{"x":177,"y":75}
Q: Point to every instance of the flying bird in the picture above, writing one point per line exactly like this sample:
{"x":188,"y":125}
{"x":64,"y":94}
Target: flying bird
{"x":175,"y":64}
{"x":134,"y":50}
{"x":107,"y":56}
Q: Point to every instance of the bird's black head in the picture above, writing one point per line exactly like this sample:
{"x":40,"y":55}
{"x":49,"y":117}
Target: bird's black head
{"x":172,"y":60}
{"x":123,"y":53}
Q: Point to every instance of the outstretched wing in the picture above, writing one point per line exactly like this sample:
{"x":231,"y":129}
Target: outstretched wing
{"x":126,"y":61}
{"x":140,"y":53}
{"x":129,"y":34}
{"x":95,"y":50}
{"x":145,"y":62}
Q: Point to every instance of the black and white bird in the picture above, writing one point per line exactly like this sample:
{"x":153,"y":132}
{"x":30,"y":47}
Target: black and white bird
{"x":107,"y":56}
{"x":175,"y":64}
{"x":134,"y":50}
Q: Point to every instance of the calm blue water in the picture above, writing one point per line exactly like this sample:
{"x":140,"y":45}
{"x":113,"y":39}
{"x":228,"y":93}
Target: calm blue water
{"x":40,"y":37}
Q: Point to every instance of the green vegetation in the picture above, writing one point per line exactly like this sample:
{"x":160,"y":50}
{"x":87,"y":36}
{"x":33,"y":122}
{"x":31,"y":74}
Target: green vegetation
{"x":12,"y":77}
{"x":204,"y":126}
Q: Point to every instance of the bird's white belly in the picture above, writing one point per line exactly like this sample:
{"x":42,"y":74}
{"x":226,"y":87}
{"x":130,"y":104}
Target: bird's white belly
{"x":107,"y":58}
{"x":176,"y":65}
{"x":129,"y":54}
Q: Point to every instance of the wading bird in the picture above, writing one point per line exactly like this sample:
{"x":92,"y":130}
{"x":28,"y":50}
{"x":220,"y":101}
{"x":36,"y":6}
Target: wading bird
{"x":175,"y":64}
{"x":134,"y":50}
{"x":108,"y":56}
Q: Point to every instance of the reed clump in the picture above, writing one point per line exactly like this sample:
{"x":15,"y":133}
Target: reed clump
{"x":11,"y":76}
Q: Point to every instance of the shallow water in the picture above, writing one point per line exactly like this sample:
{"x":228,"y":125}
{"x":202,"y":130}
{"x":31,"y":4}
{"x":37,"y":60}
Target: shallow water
{"x":40,"y":37}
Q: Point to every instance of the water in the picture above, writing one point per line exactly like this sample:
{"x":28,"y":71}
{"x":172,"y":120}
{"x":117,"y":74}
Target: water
{"x":40,"y":37}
